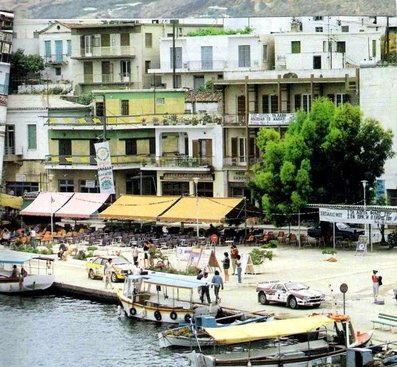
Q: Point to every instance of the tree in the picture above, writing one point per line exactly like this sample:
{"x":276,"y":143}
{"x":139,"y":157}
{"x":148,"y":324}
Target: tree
{"x":23,"y":66}
{"x":322,"y":158}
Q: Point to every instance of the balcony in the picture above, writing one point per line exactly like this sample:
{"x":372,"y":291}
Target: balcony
{"x":56,"y":60}
{"x":89,"y":161}
{"x":240,"y":161}
{"x":13,"y":154}
{"x":180,"y":162}
{"x":106,"y":52}
{"x":108,"y":78}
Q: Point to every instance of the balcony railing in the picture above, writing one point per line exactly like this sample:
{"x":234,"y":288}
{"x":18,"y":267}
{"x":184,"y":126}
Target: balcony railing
{"x":107,"y":78}
{"x":56,"y":59}
{"x":108,"y":51}
{"x":181,"y":161}
{"x":240,"y":161}
{"x":84,"y":160}
{"x":13,"y":150}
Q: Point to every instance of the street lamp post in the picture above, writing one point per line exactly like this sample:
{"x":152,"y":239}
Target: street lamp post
{"x":364,"y":183}
{"x":196,"y":180}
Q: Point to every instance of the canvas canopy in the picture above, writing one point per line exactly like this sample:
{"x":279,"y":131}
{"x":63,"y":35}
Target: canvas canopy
{"x":11,"y":201}
{"x":206,"y":210}
{"x":82,"y":205}
{"x":267,"y":330}
{"x":133,"y":207}
{"x":47,"y":204}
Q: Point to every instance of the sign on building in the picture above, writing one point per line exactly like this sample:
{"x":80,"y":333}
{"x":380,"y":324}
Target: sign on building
{"x":369,"y":216}
{"x":105,"y":171}
{"x":270,"y":119}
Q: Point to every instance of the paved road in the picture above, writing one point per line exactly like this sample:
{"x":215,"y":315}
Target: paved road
{"x":306,"y":265}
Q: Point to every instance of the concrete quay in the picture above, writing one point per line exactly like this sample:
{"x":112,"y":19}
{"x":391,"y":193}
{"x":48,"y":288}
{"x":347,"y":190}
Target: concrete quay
{"x":306,"y":265}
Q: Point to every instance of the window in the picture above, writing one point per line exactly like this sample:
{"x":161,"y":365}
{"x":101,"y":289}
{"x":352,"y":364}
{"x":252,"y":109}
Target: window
{"x":69,"y":47}
{"x":316,"y":62}
{"x":342,"y":98}
{"x":205,"y":189}
{"x":270,"y":103}
{"x":105,"y":40}
{"x":66,"y":186}
{"x":148,"y":40}
{"x":198,"y":81}
{"x":373,"y":48}
{"x":319,"y":29}
{"x":152,"y":146}
{"x":178,"y":57}
{"x":206,"y":58}
{"x":20,"y":188}
{"x":341,"y":46}
{"x":124,"y":39}
{"x":32,"y":137}
{"x":178,"y":81}
{"x":244,"y":56}
{"x":89,"y":186}
{"x":160,"y":100}
{"x":241,"y":149}
{"x":125,"y":107}
{"x":265,"y":54}
{"x":130,"y":147}
{"x":296,"y":47}
{"x":47,"y":49}
{"x":175,"y":188}
{"x":147,"y":66}
{"x":125,"y":67}
{"x":58,"y":51}
{"x":99,"y":109}
{"x":58,"y":71}
{"x":318,"y":17}
{"x":88,"y":45}
{"x":325,"y":46}
{"x":107,"y":72}
{"x":10,"y":139}
{"x":88,"y":72}
{"x":345,"y":28}
{"x":306,"y":102}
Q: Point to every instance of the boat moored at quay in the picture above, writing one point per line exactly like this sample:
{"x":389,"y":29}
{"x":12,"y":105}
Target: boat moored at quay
{"x":163,"y":297}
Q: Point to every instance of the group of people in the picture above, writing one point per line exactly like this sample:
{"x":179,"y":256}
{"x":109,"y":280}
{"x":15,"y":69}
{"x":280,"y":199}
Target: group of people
{"x":233,"y":261}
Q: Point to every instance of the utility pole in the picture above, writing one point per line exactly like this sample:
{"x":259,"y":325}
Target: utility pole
{"x":246,"y":123}
{"x":387,"y":39}
{"x":104,"y":118}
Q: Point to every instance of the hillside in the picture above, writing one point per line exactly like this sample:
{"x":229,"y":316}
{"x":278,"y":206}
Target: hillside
{"x":188,"y":8}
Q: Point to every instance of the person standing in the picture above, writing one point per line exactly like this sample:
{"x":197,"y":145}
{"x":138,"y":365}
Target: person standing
{"x":146,"y":254}
{"x":239,"y":268}
{"x":33,"y":237}
{"x":217,"y":283}
{"x":375,"y":285}
{"x":205,"y":289}
{"x":233,"y":256}
{"x":108,"y":272}
{"x":226,"y":266}
{"x":135,"y":255}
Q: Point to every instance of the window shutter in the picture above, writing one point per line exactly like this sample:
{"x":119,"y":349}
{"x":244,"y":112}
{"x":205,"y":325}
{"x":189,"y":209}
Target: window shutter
{"x":196,"y":148}
{"x":234,"y":147}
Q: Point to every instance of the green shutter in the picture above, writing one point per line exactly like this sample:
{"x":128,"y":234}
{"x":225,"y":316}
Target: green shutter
{"x":32,"y":137}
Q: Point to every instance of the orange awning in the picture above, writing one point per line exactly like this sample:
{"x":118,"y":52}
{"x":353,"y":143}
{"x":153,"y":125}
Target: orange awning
{"x":133,"y":207}
{"x":207,"y":210}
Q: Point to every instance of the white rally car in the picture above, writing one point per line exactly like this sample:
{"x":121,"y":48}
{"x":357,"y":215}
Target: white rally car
{"x":292,"y":294}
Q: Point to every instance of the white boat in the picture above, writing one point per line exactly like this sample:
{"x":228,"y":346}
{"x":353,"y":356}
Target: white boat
{"x":313,"y":342}
{"x":194,"y":334}
{"x":40,"y":272}
{"x":171,"y":300}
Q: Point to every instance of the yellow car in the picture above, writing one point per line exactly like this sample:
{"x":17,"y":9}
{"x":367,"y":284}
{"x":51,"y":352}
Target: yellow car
{"x":96,"y":267}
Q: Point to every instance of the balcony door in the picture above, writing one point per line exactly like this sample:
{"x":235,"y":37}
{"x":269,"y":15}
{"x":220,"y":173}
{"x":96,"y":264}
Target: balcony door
{"x":58,"y":51}
{"x":125,"y":67}
{"x":65,"y":150}
{"x":206,"y":58}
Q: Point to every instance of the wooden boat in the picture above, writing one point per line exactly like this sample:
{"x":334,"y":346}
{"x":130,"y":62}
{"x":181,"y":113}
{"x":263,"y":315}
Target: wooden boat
{"x":40,"y":272}
{"x":312,"y":343}
{"x":194,"y":334}
{"x":171,"y":301}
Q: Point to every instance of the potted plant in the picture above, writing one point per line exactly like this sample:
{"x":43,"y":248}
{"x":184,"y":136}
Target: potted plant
{"x":329,"y":254}
{"x":258,"y":257}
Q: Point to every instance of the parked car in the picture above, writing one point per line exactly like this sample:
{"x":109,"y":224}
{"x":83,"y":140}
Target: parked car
{"x":96,"y":267}
{"x":292,"y":294}
{"x":341,"y":230}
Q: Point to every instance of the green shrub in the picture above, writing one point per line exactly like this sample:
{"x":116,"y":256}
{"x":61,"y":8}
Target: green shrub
{"x":80,"y":255}
{"x":270,"y":244}
{"x":329,"y":250}
{"x":259,"y":255}
{"x":92,"y":248}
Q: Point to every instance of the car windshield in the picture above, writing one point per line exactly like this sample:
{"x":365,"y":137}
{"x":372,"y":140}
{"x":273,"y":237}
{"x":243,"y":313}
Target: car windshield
{"x":342,"y":226}
{"x":119,"y":261}
{"x":296,"y":286}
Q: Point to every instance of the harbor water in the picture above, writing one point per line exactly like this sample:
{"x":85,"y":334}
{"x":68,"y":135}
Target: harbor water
{"x":50,"y":331}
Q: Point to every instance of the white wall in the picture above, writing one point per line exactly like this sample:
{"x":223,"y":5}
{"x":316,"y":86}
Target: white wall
{"x":378,"y":100}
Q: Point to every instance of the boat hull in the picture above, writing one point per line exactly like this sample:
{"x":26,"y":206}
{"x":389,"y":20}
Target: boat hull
{"x":151,"y":311}
{"x":170,"y":341}
{"x":30,"y":284}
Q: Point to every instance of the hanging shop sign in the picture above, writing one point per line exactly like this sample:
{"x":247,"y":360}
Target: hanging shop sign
{"x":369,"y":216}
{"x":270,"y":119}
{"x":105,"y":171}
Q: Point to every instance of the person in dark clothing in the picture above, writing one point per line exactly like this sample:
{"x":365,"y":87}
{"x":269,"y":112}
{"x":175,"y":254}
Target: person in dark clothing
{"x":205,"y":289}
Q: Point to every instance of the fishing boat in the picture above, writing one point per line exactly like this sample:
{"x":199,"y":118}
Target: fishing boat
{"x":39,"y":274}
{"x":194,"y":335}
{"x":163,"y":297}
{"x":311,"y":341}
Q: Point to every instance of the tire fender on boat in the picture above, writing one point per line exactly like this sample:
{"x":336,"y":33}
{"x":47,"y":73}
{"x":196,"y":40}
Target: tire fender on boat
{"x":157,"y":315}
{"x":173,"y":315}
{"x":188,"y":318}
{"x":132,"y":311}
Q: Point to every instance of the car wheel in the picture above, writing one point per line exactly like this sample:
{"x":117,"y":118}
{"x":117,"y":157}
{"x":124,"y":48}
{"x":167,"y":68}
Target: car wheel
{"x":91,"y":274}
{"x":292,"y":303}
{"x":113,"y":278}
{"x":263,"y":299}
